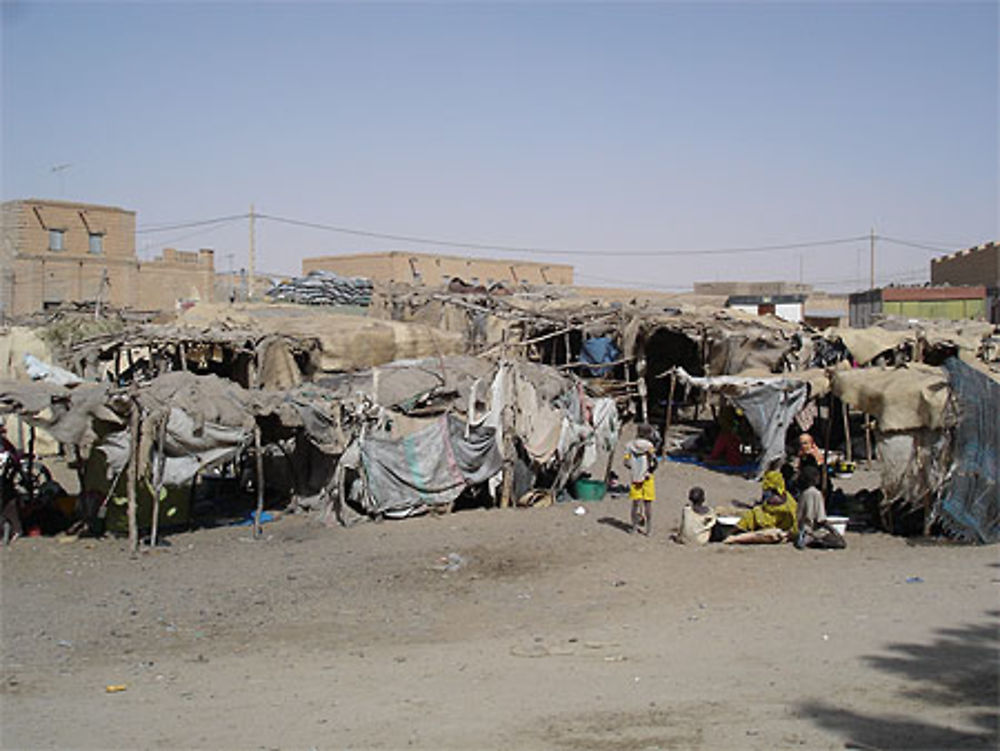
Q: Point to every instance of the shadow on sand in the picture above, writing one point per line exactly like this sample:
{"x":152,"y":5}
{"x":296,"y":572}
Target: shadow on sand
{"x":616,"y":523}
{"x":960,"y":668}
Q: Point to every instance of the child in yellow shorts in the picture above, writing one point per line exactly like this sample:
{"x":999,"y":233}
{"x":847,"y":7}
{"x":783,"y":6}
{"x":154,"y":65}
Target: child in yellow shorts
{"x":640,"y":460}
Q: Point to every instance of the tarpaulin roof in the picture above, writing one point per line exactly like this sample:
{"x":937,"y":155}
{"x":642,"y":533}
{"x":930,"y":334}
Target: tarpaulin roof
{"x":769,"y":405}
{"x":907,"y":397}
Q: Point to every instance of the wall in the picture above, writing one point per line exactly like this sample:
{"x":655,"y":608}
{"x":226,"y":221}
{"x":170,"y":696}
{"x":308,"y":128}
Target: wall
{"x":789,"y":311}
{"x":751,"y":288}
{"x":177,"y":276}
{"x":948,"y":310}
{"x":433,"y":270}
{"x":33,"y":275}
{"x":979,"y":265}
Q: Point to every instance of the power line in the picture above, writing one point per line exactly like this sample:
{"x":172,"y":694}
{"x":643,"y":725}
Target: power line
{"x":639,"y":285}
{"x":186,"y":236}
{"x":538,"y":250}
{"x":185,"y":225}
{"x":911,"y":244}
{"x":552,"y":251}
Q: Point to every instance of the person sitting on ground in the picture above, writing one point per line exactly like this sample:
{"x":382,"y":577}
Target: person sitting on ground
{"x":697,"y":520}
{"x":814,"y":528}
{"x":640,"y":460}
{"x":809,"y":452}
{"x":774,"y":519}
{"x":726,"y":449}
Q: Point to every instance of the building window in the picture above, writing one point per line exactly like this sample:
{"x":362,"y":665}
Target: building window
{"x":96,"y":243}
{"x":56,"y":239}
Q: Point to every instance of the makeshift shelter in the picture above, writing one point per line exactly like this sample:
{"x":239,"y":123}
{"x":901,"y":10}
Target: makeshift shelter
{"x":769,"y":405}
{"x":259,"y":346}
{"x":525,"y":428}
{"x":938,"y":440}
{"x":969,"y":506}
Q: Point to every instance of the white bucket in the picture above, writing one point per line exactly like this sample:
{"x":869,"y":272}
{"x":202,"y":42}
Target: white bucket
{"x":839,"y":523}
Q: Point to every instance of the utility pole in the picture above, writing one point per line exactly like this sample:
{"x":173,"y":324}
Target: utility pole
{"x":872,"y":246}
{"x":250,"y":265}
{"x":232,"y":278}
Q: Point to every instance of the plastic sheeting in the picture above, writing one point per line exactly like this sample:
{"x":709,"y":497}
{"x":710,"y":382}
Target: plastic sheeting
{"x":598,"y":350}
{"x":970,"y":504}
{"x":430,"y":467}
{"x":769,"y":405}
{"x":189,"y":447}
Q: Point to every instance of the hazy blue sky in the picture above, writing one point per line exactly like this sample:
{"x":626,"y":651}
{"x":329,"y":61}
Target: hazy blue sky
{"x":600,"y":128}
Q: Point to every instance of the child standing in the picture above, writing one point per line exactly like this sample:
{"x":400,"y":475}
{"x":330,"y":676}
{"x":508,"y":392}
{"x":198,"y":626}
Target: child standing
{"x":640,"y":460}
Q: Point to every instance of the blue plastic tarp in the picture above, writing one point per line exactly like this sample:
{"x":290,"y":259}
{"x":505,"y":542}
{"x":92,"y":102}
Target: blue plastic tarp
{"x":598,"y":350}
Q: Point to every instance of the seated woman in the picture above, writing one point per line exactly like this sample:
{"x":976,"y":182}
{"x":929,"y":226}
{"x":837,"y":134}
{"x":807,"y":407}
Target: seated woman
{"x":726,"y":450}
{"x":814,"y":528}
{"x":810,"y":455}
{"x":809,"y":452}
{"x":774,"y":519}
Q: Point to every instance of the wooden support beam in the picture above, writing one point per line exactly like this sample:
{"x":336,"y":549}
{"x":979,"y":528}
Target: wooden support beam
{"x":161,"y":462}
{"x":667,"y":416}
{"x":260,"y":480}
{"x":868,"y":440}
{"x":132,"y":477}
{"x":847,"y":430}
{"x":31,"y":464}
{"x":826,"y":446}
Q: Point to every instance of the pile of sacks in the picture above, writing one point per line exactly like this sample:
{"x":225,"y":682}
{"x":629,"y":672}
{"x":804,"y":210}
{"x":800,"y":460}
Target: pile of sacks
{"x":324,"y":288}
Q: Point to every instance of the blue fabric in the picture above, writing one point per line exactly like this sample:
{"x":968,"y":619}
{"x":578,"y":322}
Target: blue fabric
{"x":599,"y":349}
{"x":265,"y":516}
{"x":741,"y":469}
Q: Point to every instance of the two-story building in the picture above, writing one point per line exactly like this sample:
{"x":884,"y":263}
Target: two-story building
{"x":55,"y":252}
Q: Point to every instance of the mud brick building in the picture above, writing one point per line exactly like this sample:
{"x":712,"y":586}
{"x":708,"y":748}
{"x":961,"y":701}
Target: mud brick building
{"x":433,"y":269}
{"x":974,"y":266}
{"x":56,"y":252}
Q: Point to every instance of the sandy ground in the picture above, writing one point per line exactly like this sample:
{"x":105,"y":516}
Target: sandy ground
{"x":557,"y":631}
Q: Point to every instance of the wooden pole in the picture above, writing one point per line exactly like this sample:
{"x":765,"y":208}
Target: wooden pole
{"x":641,"y":387}
{"x":31,"y":464}
{"x":182,"y":351}
{"x":666,"y":418}
{"x":847,"y":431}
{"x":161,"y":461}
{"x":826,"y":445}
{"x":260,"y":480}
{"x":133,"y":470}
{"x":868,"y":440}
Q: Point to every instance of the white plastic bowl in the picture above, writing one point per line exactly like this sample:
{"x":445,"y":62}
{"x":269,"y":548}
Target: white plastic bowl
{"x":839,"y":523}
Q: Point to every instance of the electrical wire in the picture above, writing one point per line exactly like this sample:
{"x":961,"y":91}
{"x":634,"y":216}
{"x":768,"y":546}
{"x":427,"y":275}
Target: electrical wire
{"x":552,"y":251}
{"x":179,"y":238}
{"x":628,"y":282}
{"x":185,"y":225}
{"x":910,"y":244}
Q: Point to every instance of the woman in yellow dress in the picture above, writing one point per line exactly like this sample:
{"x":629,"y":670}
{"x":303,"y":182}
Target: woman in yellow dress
{"x":774,"y":519}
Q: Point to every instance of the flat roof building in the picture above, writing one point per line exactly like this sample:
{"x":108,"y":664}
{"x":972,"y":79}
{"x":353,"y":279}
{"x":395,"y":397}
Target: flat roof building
{"x":56,"y":252}
{"x":978,"y":265}
{"x":433,"y":269}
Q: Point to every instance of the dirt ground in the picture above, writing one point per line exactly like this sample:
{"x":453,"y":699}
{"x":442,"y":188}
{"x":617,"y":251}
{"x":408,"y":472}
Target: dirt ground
{"x":555,"y":630}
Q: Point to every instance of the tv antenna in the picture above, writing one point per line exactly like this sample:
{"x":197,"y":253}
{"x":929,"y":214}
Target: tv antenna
{"x":60,"y":170}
